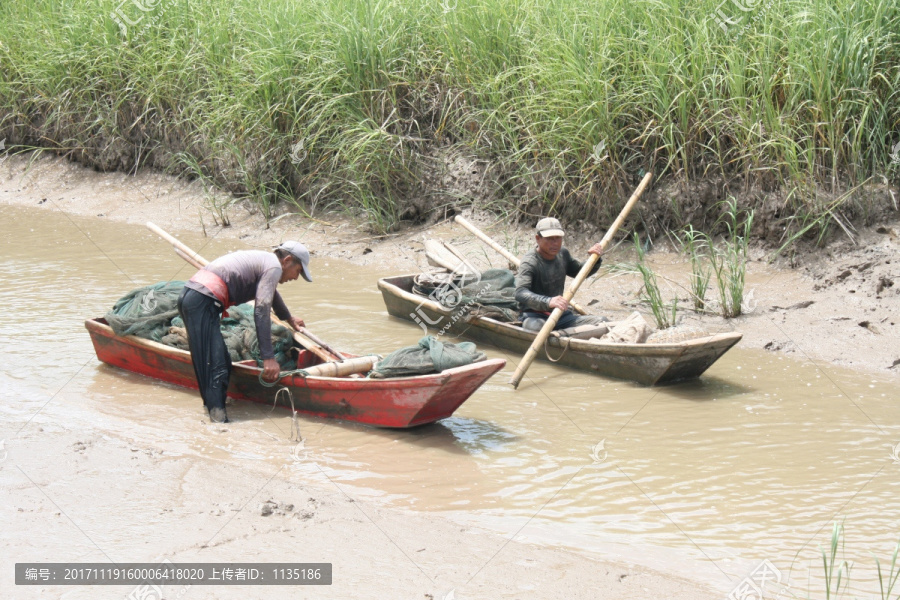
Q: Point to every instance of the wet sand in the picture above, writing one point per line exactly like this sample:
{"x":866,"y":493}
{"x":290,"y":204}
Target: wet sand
{"x":217,"y":507}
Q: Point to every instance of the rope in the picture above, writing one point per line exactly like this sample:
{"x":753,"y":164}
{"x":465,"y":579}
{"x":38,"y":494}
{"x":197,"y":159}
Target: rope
{"x":299,"y":372}
{"x":295,"y":424}
{"x":565,"y":348}
{"x":268,"y":384}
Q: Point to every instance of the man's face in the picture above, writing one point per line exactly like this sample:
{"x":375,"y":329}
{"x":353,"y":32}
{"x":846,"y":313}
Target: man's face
{"x":290,"y":269}
{"x":549,"y":247}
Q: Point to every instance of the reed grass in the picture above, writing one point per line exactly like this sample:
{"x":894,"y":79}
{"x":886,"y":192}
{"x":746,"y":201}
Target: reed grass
{"x":837,"y":571}
{"x":729,"y":259}
{"x":887,"y":582}
{"x":663,"y":314}
{"x":696,"y":245}
{"x":803,"y":96}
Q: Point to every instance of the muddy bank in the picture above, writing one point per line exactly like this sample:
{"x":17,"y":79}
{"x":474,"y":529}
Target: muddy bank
{"x":146,"y":458}
{"x":112,"y":495}
{"x":837,"y":305}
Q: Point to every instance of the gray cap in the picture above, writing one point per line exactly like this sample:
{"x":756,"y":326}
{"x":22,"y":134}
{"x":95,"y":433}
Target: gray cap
{"x":549,"y":227}
{"x":298,"y":251}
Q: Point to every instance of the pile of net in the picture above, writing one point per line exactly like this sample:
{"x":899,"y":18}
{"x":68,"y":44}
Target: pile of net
{"x":428,"y":356}
{"x":151,"y":312}
{"x":146,"y":312}
{"x":487,"y":294}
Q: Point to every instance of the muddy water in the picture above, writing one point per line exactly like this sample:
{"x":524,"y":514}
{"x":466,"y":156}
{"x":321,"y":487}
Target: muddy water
{"x":754,"y":461}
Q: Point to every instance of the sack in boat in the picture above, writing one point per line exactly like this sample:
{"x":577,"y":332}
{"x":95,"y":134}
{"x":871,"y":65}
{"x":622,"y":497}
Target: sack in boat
{"x":584,"y":332}
{"x":633,"y":330}
{"x":680,"y":333}
{"x":428,"y":356}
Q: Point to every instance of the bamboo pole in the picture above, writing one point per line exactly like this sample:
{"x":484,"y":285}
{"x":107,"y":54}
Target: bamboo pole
{"x":321,"y":342}
{"x":552,"y":320}
{"x":458,"y":254}
{"x":350,"y":366}
{"x":487,"y":240}
{"x":190,"y":260}
{"x":192,"y":257}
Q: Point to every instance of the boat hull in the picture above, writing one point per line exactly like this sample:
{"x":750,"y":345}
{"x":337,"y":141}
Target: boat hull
{"x":395,"y":402}
{"x":647,"y":364}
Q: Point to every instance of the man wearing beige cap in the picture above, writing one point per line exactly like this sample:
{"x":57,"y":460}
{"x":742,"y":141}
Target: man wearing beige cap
{"x":234,"y":279}
{"x":541,"y":279}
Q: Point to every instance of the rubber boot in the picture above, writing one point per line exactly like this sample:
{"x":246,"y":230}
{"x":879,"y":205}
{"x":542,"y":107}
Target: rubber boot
{"x":218,"y":415}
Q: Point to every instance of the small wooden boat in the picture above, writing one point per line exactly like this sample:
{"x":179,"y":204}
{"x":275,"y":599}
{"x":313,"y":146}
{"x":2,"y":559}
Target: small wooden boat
{"x":647,"y":364}
{"x":394,"y":402}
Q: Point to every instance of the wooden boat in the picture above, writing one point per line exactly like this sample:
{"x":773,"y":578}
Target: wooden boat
{"x":394,"y":402}
{"x":647,"y":364}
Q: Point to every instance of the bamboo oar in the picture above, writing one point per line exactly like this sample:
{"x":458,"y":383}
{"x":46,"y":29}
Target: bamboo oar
{"x":487,"y":240}
{"x":191,"y":256}
{"x":458,"y":254}
{"x":199,"y":262}
{"x":582,"y":275}
{"x":321,"y":343}
{"x":350,"y":366}
{"x":503,"y":251}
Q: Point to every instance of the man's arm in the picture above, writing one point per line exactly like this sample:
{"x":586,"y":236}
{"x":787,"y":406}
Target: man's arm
{"x":264,"y":302}
{"x":282,"y":312}
{"x":280,"y":308}
{"x":524,"y":296}
{"x":573,"y":266}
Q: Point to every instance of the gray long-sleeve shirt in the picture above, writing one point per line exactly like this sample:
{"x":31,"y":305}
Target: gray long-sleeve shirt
{"x":251,"y":275}
{"x":539,"y":280}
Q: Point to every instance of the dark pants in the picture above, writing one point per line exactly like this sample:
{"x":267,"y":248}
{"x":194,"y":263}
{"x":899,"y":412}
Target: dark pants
{"x":534,"y":321}
{"x":212,"y":365}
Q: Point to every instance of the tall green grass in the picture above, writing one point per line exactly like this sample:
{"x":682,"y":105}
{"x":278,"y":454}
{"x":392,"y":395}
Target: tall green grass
{"x":804,"y":99}
{"x":729,"y":260}
{"x":651,"y":293}
{"x":696,"y":245}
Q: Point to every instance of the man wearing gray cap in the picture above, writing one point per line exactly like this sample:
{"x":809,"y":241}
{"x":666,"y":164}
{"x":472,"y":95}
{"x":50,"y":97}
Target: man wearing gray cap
{"x":234,"y":279}
{"x":541,"y":279}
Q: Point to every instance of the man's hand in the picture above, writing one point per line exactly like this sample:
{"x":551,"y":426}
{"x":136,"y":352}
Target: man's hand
{"x":296,"y":323}
{"x":559,"y":302}
{"x":271,"y":369}
{"x":596,"y":249}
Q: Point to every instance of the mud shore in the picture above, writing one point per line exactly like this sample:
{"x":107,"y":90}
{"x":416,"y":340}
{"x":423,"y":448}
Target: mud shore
{"x":837,"y":306}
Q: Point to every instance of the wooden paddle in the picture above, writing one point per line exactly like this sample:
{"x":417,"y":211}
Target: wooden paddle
{"x":487,"y":240}
{"x":553,"y":319}
{"x":199,"y":262}
{"x":316,"y":339}
{"x":503,"y":251}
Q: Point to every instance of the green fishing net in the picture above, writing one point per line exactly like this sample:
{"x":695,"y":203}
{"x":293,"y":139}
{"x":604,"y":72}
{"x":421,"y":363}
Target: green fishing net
{"x":428,"y":356}
{"x":151,"y":312}
{"x":491,"y":293}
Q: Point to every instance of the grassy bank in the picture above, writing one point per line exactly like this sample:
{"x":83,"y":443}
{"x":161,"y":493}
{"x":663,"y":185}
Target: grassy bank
{"x":358,"y":104}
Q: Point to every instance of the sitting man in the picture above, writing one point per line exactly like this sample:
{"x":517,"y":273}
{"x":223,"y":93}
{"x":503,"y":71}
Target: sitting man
{"x":541,"y":279}
{"x":234,"y":279}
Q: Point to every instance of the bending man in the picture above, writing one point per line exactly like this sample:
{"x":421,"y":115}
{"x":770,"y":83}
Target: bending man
{"x":234,"y":279}
{"x":541,"y":279}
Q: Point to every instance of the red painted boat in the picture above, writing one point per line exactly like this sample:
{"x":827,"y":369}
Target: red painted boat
{"x":393,"y":402}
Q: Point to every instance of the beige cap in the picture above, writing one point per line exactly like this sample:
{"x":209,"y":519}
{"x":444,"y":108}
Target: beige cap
{"x":549,"y":227}
{"x":299,"y":252}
